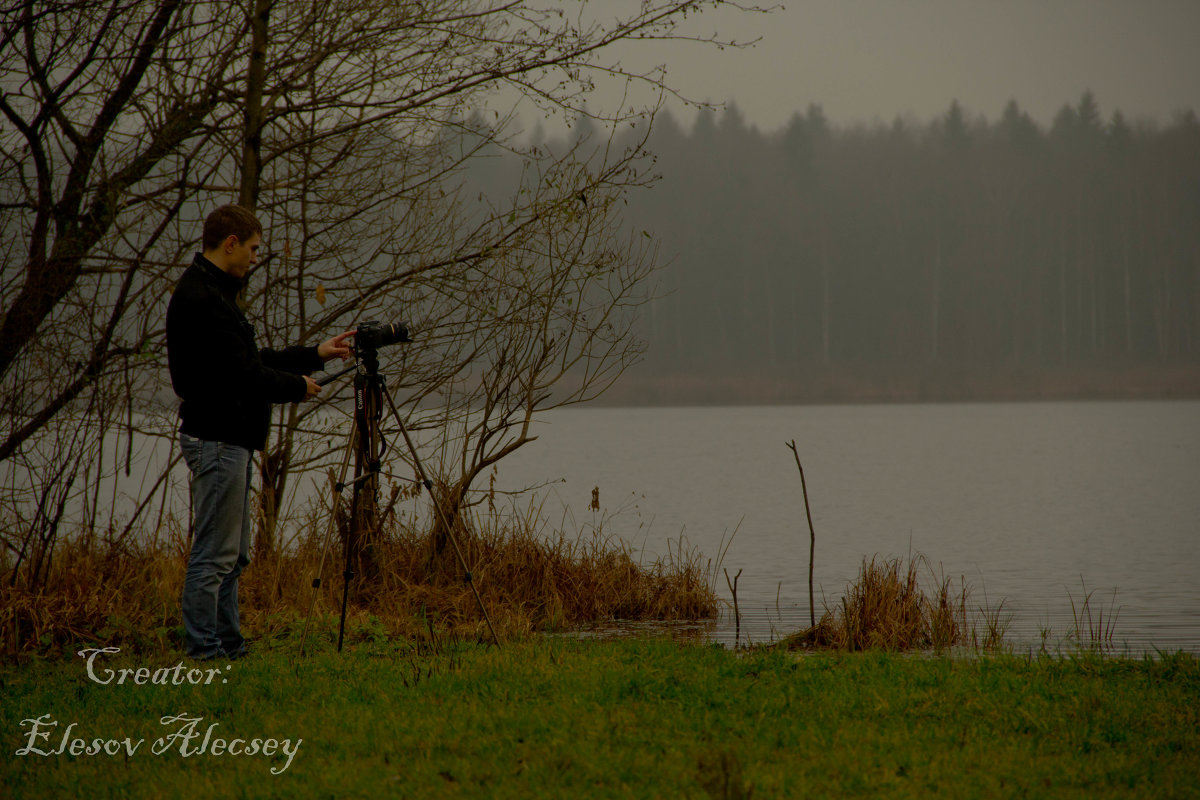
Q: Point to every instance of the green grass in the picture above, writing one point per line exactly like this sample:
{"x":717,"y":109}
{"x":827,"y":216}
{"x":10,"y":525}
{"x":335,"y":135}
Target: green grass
{"x":630,"y":718}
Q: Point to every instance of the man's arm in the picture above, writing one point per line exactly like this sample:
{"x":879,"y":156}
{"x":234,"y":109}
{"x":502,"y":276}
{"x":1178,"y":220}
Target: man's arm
{"x":302,"y":360}
{"x":210,"y":355}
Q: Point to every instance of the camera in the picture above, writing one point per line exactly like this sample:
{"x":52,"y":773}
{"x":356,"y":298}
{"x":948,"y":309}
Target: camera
{"x":372,"y":335}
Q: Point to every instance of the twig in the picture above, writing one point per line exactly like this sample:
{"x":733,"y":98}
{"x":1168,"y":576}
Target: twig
{"x":812,"y":540}
{"x":737,"y":615}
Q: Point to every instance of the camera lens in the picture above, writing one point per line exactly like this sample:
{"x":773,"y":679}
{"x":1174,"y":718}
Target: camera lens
{"x":373,"y":335}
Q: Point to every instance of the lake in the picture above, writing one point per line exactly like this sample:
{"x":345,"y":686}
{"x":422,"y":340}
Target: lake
{"x":1038,"y":505}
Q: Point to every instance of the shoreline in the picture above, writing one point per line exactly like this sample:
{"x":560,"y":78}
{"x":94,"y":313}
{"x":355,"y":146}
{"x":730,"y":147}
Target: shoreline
{"x":825,"y":385}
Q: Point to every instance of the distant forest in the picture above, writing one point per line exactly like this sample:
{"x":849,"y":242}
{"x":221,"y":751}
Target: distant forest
{"x":960,"y":258}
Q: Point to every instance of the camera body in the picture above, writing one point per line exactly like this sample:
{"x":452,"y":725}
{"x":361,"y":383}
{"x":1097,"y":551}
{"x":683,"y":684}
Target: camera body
{"x":372,"y":335}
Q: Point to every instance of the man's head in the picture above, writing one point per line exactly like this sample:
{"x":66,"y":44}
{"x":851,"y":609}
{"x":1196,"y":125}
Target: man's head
{"x":232,"y":236}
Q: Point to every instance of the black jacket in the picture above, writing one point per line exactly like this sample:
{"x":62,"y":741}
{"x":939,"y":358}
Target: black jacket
{"x":227,"y":384}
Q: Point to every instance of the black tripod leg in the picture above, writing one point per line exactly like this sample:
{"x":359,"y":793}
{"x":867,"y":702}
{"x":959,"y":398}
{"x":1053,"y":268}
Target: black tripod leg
{"x":368,"y":410}
{"x":328,"y":536}
{"x":347,"y":574}
{"x":428,"y":484}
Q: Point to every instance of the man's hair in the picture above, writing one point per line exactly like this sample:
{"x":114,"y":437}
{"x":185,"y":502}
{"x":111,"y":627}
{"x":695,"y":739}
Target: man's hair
{"x":229,"y":220}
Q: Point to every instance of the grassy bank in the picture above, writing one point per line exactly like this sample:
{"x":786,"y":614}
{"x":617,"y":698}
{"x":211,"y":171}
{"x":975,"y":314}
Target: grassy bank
{"x":559,"y":717}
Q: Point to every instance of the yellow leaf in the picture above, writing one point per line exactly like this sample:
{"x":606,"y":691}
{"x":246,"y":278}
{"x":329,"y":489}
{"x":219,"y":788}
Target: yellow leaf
{"x":320,"y":294}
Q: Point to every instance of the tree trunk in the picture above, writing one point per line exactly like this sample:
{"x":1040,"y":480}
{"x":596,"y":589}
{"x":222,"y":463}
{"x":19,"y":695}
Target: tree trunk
{"x":826,"y":295}
{"x":274,"y":473}
{"x":446,"y":523}
{"x":253,"y":114}
{"x":935,"y":309}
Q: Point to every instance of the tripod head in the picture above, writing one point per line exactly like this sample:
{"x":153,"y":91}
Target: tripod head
{"x":372,"y":335}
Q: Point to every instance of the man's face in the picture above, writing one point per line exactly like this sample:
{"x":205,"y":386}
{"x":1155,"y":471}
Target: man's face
{"x":239,"y":255}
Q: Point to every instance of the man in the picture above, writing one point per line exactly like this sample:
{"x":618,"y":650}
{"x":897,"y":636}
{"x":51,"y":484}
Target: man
{"x":227,"y":385}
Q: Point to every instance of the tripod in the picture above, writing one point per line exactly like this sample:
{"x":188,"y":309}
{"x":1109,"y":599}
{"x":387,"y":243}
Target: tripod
{"x":367,"y":443}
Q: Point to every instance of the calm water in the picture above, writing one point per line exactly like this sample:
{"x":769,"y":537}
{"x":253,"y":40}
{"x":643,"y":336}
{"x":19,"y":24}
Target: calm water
{"x":1035,"y":504}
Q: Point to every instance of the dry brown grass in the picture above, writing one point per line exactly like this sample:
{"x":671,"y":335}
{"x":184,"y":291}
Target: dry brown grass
{"x":887,"y":608}
{"x":528,"y":580}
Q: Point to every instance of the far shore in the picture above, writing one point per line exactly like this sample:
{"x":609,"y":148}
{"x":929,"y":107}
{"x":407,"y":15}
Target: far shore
{"x":830,"y":384}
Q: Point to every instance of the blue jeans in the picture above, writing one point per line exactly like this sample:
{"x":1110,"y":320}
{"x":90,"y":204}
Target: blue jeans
{"x":220,"y":546}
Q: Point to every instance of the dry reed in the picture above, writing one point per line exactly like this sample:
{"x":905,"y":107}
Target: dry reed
{"x":529,"y":581}
{"x":1092,"y":631}
{"x":886,"y":607}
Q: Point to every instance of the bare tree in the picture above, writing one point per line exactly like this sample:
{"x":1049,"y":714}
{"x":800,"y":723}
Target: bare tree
{"x":556,"y":305}
{"x":342,"y":123}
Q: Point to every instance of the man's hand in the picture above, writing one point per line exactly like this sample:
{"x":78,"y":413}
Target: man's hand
{"x":333,"y":348}
{"x":313,"y":388}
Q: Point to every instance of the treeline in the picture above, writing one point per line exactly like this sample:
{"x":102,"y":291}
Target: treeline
{"x":960,"y":241}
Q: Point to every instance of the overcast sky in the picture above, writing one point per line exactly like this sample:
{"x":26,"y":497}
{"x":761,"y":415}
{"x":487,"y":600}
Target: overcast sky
{"x":868,"y":60}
